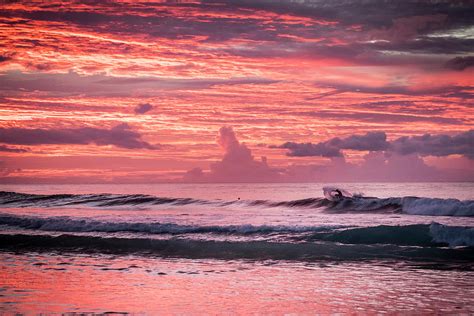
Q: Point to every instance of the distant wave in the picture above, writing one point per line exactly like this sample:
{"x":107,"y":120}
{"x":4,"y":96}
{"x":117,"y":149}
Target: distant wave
{"x":406,"y":205}
{"x":94,"y":200}
{"x":410,"y":235}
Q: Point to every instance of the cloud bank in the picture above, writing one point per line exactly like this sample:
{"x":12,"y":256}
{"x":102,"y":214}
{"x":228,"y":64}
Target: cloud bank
{"x":120,"y":136}
{"x":425,"y":145}
{"x":400,"y":160}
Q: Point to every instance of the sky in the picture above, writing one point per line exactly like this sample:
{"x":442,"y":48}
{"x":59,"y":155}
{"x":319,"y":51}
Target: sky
{"x":236,"y":91}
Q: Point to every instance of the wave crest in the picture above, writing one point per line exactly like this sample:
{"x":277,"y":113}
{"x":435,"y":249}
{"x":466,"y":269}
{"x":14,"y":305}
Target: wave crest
{"x":406,"y":205}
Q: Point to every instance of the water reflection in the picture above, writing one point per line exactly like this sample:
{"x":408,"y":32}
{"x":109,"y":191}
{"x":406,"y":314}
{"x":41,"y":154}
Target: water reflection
{"x":61,"y":282}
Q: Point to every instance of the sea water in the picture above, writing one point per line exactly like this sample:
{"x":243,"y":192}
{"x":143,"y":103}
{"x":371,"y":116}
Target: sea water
{"x":237,"y":248}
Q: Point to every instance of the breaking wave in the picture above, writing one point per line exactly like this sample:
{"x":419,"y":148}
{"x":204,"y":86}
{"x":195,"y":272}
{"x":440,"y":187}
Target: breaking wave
{"x":423,"y":235}
{"x":406,"y":205}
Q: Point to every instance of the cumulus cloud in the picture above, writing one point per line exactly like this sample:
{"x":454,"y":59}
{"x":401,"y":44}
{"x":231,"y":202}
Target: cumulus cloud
{"x":425,"y":145}
{"x":237,"y":164}
{"x":120,"y":136}
{"x":382,"y":163}
{"x":143,"y":108}
{"x":460,"y":63}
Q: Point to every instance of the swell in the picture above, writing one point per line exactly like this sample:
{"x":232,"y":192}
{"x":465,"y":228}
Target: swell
{"x":410,"y":235}
{"x":255,"y":250}
{"x":66,"y":224}
{"x":94,"y":200}
{"x":406,"y":205}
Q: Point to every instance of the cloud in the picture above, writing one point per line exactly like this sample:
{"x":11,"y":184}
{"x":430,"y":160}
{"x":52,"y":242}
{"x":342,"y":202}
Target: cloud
{"x":460,"y":63}
{"x":380,"y":117}
{"x":375,"y":166}
{"x":281,"y":25}
{"x":12,"y":149}
{"x":237,"y":164}
{"x":436,"y":145}
{"x":143,"y":108}
{"x":372,"y":141}
{"x":309,"y":149}
{"x":389,"y":89}
{"x":384,"y":162}
{"x":5,"y":58}
{"x":120,"y":136}
{"x":72,"y":83}
{"x":425,"y":145}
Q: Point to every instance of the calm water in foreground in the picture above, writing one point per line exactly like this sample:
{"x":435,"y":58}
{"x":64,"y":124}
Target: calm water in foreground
{"x":237,"y":249}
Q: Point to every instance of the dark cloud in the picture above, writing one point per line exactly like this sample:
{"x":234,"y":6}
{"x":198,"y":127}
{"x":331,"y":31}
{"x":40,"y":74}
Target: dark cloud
{"x":403,"y":26}
{"x":379,"y":117}
{"x":392,"y":89}
{"x":425,"y":145}
{"x":369,"y":13}
{"x":143,"y":108}
{"x":443,"y":91}
{"x":372,"y":141}
{"x":426,"y":45}
{"x":162,"y":23}
{"x":12,"y":149}
{"x":460,"y":63}
{"x":120,"y":136}
{"x":309,"y":149}
{"x":4,"y":58}
{"x":72,"y":83}
{"x":410,"y":107}
{"x":392,"y":25}
{"x":436,"y":145}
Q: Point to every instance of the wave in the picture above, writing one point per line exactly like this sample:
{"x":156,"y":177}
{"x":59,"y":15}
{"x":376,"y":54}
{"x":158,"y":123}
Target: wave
{"x":253,"y":250}
{"x":66,"y":224}
{"x":98,"y":200}
{"x":423,"y":235}
{"x":405,"y":205}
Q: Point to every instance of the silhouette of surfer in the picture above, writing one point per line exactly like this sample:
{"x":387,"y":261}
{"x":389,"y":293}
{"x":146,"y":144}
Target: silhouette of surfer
{"x":337,"y":194}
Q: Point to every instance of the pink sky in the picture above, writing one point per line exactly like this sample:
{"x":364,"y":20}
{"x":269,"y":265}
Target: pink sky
{"x":236,"y":91}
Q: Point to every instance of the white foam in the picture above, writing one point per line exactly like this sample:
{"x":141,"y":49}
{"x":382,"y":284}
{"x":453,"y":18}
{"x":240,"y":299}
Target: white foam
{"x":437,"y":207}
{"x":454,"y":236}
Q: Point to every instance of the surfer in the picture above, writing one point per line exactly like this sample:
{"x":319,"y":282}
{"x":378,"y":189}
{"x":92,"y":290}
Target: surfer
{"x":337,"y":194}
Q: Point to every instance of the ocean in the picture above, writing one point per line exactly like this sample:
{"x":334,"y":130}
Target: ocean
{"x":237,"y":248}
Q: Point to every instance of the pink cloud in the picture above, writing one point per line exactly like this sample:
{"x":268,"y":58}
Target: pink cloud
{"x":237,"y":165}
